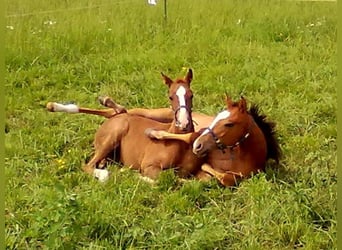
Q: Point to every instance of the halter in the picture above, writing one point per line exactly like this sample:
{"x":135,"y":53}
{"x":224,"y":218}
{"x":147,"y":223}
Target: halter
{"x":220,"y":145}
{"x":177,"y":110}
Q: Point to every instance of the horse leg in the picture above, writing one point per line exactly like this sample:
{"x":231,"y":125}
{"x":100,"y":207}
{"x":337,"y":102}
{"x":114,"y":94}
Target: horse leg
{"x":107,"y":139}
{"x":164,"y":115}
{"x":109,"y":103}
{"x":203,"y":176}
{"x":150,"y":171}
{"x":90,"y":168}
{"x":72,"y":108}
{"x":226,"y":179}
{"x":163,"y":135}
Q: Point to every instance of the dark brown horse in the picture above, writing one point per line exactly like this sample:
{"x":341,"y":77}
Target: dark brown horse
{"x":236,"y":145}
{"x":126,"y":133}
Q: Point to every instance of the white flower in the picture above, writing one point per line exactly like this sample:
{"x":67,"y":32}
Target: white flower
{"x":50,"y":22}
{"x":10,"y":27}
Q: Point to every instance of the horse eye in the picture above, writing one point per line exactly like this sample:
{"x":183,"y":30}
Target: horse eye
{"x":170,"y":97}
{"x":229,"y":125}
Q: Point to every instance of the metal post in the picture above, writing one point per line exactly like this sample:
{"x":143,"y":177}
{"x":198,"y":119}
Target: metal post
{"x":165,"y":10}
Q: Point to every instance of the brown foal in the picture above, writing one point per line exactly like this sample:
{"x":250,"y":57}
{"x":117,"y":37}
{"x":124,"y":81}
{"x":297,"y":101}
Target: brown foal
{"x":236,"y":145}
{"x":125,"y":133}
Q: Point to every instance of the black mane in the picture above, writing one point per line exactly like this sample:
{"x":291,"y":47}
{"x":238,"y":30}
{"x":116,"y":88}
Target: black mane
{"x":268,"y":129}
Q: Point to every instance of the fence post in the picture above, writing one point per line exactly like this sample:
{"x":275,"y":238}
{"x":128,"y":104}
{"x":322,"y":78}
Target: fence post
{"x":165,"y":10}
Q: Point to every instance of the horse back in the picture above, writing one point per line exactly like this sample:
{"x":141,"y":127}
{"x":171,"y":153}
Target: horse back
{"x":201,"y":120}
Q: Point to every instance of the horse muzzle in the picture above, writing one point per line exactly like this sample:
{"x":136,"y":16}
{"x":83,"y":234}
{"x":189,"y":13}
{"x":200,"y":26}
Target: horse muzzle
{"x":182,"y":126}
{"x":199,"y":148}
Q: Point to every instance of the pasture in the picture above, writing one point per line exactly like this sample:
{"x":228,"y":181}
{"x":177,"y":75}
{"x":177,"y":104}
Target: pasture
{"x":278,"y":54}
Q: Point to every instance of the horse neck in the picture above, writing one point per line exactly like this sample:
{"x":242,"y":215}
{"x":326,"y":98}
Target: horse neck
{"x":255,"y":143}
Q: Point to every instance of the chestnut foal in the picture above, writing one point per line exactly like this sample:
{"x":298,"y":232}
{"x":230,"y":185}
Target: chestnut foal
{"x":125,"y":133}
{"x":237,"y":144}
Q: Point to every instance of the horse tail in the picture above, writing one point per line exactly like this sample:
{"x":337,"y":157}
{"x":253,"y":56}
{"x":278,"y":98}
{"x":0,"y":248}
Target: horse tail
{"x":268,"y":129}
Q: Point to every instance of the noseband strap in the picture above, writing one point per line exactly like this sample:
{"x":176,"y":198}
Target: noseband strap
{"x":218,"y":142}
{"x":220,"y":145}
{"x":177,"y":110}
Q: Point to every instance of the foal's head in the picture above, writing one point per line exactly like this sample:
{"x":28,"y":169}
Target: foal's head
{"x":180,"y":96}
{"x":229,"y":128}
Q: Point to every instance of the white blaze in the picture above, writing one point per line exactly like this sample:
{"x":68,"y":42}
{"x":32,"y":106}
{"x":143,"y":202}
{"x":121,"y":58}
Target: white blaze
{"x":183,"y":118}
{"x":222,"y":115}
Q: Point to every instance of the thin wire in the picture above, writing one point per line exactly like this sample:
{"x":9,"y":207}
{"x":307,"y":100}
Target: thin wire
{"x":64,"y":10}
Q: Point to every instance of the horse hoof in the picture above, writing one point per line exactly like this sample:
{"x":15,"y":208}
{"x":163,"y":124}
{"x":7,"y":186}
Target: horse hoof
{"x":149,"y":133}
{"x":102,"y":100}
{"x":154,"y":134}
{"x":120,"y":109}
{"x":101,"y":174}
{"x":50,"y":106}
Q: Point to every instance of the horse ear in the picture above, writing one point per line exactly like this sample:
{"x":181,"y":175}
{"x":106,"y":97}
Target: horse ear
{"x":229,"y":101}
{"x":166,"y":79}
{"x":188,"y":77}
{"x":242,"y":105}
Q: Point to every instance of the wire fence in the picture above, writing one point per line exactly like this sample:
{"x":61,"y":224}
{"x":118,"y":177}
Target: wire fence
{"x":66,"y":9}
{"x":116,"y":3}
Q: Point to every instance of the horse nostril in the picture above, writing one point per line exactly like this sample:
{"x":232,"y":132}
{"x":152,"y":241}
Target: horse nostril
{"x":199,"y":147}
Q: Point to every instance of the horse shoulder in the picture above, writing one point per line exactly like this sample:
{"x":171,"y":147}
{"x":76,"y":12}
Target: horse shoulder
{"x":190,"y":164}
{"x":220,"y":161}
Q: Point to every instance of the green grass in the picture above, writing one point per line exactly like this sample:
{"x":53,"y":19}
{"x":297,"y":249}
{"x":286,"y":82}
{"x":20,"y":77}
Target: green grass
{"x":279,"y":54}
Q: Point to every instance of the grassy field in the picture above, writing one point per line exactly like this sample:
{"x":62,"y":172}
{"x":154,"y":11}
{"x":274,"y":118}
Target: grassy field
{"x":279,"y":54}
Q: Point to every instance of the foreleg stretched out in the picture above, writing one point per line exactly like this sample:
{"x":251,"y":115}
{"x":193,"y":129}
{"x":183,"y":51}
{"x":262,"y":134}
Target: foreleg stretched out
{"x":188,"y":138}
